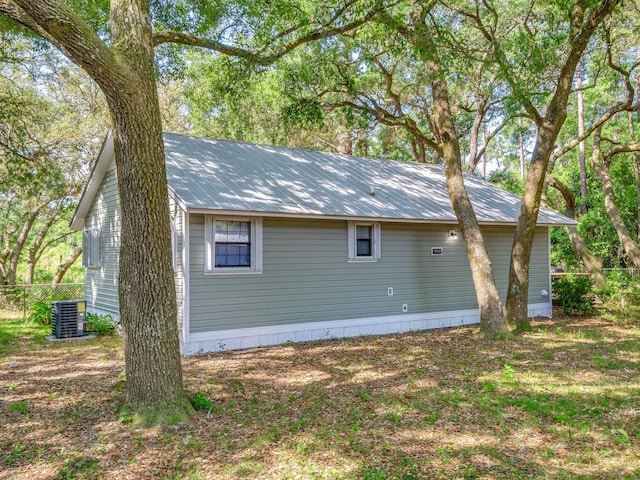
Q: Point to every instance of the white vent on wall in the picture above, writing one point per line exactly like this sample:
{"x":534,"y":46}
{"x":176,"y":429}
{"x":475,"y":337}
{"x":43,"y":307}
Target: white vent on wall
{"x":437,"y":251}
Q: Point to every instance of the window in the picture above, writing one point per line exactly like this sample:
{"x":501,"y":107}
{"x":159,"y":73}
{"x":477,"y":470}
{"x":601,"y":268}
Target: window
{"x":91,"y":247}
{"x":364,"y":241}
{"x":234,"y":245}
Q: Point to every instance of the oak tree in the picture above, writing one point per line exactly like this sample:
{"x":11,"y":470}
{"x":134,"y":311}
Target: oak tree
{"x":120,"y":59}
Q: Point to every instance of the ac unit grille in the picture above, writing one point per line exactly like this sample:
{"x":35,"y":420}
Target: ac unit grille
{"x":67,"y":318}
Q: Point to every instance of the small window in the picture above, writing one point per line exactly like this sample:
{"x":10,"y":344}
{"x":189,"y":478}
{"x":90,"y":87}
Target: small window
{"x":91,"y":247}
{"x":234,"y":245}
{"x":364,"y":241}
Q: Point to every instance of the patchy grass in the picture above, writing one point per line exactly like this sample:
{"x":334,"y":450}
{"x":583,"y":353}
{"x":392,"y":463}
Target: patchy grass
{"x":14,"y":331}
{"x":560,"y":402}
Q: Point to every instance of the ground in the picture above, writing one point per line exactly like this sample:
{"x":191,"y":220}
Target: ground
{"x":561,"y":402}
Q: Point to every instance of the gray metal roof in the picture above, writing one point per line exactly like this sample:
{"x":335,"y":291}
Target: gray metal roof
{"x":230,"y":176}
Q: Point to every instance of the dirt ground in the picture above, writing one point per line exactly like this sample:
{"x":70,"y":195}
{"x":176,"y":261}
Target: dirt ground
{"x":561,"y":402}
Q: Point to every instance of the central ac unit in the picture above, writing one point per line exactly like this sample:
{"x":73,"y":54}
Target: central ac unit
{"x":68,"y":318}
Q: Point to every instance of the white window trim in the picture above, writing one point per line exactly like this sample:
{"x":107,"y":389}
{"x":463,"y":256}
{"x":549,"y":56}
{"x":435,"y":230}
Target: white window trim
{"x":351,"y":233}
{"x":91,"y":248}
{"x":256,"y":246}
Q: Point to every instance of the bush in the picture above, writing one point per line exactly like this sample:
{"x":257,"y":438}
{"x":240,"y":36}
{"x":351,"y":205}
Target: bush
{"x":100,"y":324}
{"x":622,"y":300}
{"x":40,"y":313}
{"x":575,"y":295}
{"x":619,"y":280}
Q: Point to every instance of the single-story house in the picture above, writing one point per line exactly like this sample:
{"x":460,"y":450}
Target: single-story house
{"x":277,"y":244}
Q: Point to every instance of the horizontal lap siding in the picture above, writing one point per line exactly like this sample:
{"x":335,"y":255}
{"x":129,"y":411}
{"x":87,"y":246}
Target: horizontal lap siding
{"x":101,"y":284}
{"x":307,"y":278}
{"x":178,"y":222}
{"x":539,"y":275}
{"x":499,"y":241}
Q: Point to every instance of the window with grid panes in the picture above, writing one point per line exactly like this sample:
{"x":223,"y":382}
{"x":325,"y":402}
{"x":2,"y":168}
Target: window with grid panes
{"x":232,"y":244}
{"x":364,"y":240}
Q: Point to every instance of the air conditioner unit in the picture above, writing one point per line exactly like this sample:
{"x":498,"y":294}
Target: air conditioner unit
{"x":68,"y":318}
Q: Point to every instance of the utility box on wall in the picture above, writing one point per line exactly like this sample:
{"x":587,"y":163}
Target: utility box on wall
{"x":68,"y":318}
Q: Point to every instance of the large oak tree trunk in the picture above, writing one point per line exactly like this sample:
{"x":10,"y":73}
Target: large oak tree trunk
{"x":491,"y":317}
{"x":125,"y":73}
{"x":147,"y":290}
{"x":583,"y":24}
{"x":146,"y":282}
{"x":517,"y":295}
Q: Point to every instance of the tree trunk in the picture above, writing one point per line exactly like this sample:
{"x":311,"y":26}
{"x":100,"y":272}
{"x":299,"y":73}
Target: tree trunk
{"x":345,"y":143}
{"x":422,"y":154}
{"x":64,"y":267}
{"x":474,"y":137}
{"x":484,"y":157}
{"x":125,"y":73}
{"x":581,"y":150}
{"x":147,"y":292}
{"x":592,"y":264}
{"x":549,"y":126}
{"x":521,"y":149}
{"x":14,"y":258}
{"x":602,"y":170}
{"x":492,"y":322}
{"x":34,"y":248}
{"x":518,"y":291}
{"x":636,"y":175}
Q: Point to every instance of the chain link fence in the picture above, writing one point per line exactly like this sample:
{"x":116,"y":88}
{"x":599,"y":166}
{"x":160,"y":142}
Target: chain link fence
{"x":22,"y":297}
{"x":631,"y":272}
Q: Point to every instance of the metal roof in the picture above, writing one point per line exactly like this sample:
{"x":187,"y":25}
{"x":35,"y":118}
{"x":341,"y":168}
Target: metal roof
{"x":231,"y":176}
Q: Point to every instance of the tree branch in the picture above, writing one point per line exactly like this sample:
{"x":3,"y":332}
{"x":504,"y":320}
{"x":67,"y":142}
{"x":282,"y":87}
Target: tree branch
{"x":567,"y":194}
{"x":257,"y":58}
{"x":55,"y":21}
{"x":383,"y":116}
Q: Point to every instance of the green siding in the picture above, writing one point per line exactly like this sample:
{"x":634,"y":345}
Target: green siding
{"x":307,"y":278}
{"x":178,"y":223}
{"x":101,"y":283}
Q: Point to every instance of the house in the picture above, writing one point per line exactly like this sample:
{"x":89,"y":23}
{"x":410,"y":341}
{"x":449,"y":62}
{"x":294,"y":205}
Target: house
{"x":276,"y":244}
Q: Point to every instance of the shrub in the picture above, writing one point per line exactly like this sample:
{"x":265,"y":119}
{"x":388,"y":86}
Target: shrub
{"x":575,"y":294}
{"x":619,"y":279}
{"x":622,"y":300}
{"x":99,"y":324}
{"x":40,"y":313}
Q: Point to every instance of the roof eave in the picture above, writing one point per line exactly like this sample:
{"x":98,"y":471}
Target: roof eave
{"x":320,"y":216}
